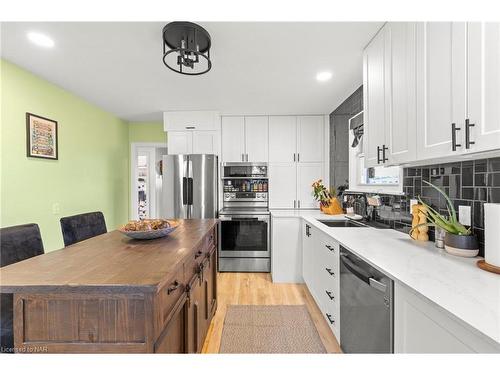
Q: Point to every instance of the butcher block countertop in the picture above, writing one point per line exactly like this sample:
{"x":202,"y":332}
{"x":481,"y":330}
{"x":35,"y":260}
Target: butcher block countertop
{"x":110,"y":262}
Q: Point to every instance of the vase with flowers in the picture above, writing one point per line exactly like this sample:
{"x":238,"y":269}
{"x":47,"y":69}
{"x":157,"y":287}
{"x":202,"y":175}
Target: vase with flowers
{"x":328,"y":202}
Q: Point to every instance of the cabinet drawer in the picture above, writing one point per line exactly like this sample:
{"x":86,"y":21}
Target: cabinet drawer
{"x":169,"y":295}
{"x":210,"y":241}
{"x":192,"y":265}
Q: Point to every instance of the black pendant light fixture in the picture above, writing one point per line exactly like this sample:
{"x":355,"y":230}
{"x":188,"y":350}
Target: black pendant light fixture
{"x":186,"y":48}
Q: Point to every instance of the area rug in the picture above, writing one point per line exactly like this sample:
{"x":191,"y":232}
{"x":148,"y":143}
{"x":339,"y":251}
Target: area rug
{"x":269,"y":329}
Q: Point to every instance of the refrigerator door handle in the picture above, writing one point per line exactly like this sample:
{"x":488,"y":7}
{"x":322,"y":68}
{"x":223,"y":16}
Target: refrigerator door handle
{"x":184,"y":191}
{"x":190,"y":191}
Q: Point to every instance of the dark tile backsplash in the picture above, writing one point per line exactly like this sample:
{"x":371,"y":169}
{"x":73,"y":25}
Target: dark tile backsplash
{"x":468,"y":183}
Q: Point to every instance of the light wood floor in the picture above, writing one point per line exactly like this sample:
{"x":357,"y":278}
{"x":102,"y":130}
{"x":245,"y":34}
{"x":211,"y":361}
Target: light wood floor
{"x":258,"y":289}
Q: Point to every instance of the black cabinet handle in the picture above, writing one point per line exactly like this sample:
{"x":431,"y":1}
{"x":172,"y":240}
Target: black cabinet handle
{"x":454,"y":143}
{"x":308,"y":234}
{"x":329,"y":294}
{"x":198,"y":254}
{"x":384,"y":159}
{"x":330,"y":248}
{"x":468,"y":142}
{"x":329,"y":270}
{"x":378,"y":154}
{"x":330,"y":318}
{"x":173,"y":287}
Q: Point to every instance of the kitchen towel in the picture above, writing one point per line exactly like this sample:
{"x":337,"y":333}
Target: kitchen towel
{"x":492,"y":234}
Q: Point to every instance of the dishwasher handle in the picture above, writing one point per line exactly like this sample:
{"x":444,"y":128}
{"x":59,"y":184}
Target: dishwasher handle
{"x":361,"y":274}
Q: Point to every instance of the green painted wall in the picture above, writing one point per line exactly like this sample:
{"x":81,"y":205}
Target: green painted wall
{"x":146,"y":132}
{"x":92,"y":170}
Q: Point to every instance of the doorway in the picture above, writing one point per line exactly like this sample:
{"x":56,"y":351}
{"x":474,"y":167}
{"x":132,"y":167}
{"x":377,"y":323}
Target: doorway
{"x":146,"y":179}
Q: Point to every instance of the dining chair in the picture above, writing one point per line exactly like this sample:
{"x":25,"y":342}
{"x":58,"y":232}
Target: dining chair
{"x":16,"y":244}
{"x":80,"y":227}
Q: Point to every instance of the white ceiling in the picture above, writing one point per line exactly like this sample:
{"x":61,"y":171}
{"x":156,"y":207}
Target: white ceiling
{"x":258,"y":68}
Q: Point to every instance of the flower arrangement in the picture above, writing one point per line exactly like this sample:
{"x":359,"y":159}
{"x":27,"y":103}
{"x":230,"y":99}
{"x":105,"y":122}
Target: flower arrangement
{"x":322,"y":194}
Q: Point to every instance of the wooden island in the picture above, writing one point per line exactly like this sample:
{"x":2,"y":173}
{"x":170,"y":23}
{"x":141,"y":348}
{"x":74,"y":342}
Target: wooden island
{"x":112,"y":294}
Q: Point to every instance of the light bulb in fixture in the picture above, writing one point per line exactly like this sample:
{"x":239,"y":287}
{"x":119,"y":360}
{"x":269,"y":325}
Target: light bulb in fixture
{"x":323,"y":76}
{"x":40,"y":39}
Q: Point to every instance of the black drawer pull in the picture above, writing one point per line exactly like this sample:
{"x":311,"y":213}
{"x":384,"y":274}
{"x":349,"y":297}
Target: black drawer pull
{"x":329,"y":294}
{"x":173,"y":287}
{"x":198,"y":254}
{"x":330,"y":319}
{"x":330,"y":248}
{"x":329,"y":270}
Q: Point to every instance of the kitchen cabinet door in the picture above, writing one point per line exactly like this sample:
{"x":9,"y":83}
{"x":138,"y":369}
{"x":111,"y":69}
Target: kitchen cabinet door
{"x":286,"y":263}
{"x":212,"y":282}
{"x":282,"y":139}
{"x":374,"y":76}
{"x":420,"y":326}
{"x":180,"y":142}
{"x":307,"y":173}
{"x":257,"y":138}
{"x":310,"y":139}
{"x":483,"y":86}
{"x":401,"y":124}
{"x":308,"y":245}
{"x":206,"y":142}
{"x":233,"y":138}
{"x":194,"y":318}
{"x":441,"y":88}
{"x":282,"y":185}
{"x":173,"y":339}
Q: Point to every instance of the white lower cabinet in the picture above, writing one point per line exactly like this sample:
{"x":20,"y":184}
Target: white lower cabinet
{"x":286,"y":255}
{"x":421,"y":326}
{"x":320,"y":259}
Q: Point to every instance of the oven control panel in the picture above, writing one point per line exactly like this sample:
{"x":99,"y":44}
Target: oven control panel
{"x":245,"y":196}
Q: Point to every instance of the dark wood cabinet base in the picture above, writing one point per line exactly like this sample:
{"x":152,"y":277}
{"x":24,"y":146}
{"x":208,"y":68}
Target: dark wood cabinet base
{"x":170,"y":316}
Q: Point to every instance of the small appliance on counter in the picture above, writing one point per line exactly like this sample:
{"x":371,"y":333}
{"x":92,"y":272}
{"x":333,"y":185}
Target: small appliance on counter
{"x":244,"y":230}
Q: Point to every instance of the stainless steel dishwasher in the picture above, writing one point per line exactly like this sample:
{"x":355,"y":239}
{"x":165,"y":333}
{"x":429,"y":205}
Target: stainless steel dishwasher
{"x":366,"y":309}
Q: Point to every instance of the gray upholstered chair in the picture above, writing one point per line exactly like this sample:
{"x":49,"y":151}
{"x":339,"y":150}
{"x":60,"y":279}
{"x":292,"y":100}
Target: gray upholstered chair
{"x":80,"y":227}
{"x":16,"y":244}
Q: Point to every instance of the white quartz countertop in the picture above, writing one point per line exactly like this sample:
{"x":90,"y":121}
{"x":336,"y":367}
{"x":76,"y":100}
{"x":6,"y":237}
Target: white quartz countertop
{"x":456,"y":284}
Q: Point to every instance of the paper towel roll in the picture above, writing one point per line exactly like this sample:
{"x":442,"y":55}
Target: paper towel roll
{"x":492,"y":233}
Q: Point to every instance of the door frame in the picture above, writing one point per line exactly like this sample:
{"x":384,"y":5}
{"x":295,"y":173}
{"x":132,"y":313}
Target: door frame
{"x":134,"y":146}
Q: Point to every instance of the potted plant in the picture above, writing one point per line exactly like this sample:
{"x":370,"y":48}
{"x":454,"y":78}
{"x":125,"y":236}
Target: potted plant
{"x":458,"y":239}
{"x":328,"y":202}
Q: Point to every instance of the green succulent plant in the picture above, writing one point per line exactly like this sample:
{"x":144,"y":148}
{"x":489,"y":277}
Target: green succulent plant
{"x":450,"y":224}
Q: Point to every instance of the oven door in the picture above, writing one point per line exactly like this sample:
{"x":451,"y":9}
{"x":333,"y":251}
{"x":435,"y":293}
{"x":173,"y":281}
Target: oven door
{"x":244,"y":236}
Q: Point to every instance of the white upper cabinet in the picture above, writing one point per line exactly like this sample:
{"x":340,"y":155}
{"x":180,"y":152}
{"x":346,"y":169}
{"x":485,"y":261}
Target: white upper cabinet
{"x":441,"y":88}
{"x":193,"y":142}
{"x":283,"y":185}
{"x":307,"y":173}
{"x":256,"y":138}
{"x":191,"y":120}
{"x":483,"y":110}
{"x":206,"y":142}
{"x":180,"y":142}
{"x":310,"y":139}
{"x":233,"y":138}
{"x":374,"y":76}
{"x":400,"y":126}
{"x":282,"y":139}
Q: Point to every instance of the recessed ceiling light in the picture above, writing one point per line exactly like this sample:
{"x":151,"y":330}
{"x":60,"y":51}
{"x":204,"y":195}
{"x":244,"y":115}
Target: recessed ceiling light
{"x":40,"y":39}
{"x":323,"y":76}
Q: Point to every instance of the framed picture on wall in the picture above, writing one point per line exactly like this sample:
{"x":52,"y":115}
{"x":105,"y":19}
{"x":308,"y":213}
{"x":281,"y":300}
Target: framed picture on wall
{"x":41,"y":137}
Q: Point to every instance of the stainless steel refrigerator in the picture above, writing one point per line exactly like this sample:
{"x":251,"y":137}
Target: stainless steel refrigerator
{"x":189,"y":186}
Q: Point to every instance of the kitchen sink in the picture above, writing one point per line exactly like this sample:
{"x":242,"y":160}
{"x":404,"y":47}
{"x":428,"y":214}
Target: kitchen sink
{"x":354,"y":224}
